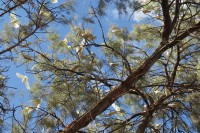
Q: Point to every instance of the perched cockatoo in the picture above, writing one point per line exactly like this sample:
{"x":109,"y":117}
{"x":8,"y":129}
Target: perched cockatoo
{"x":167,"y":92}
{"x":79,"y":50}
{"x":54,"y":1}
{"x":157,"y":92}
{"x":157,"y":126}
{"x":14,"y":21}
{"x":167,"y":53}
{"x":115,"y":29}
{"x":175,"y":105}
{"x":38,"y":106}
{"x":28,"y":109}
{"x":2,"y":77}
{"x":45,"y":13}
{"x":36,"y":102}
{"x":65,"y":40}
{"x":83,"y":42}
{"x":117,"y":108}
{"x":113,"y":64}
{"x":24,"y":79}
{"x":69,"y":47}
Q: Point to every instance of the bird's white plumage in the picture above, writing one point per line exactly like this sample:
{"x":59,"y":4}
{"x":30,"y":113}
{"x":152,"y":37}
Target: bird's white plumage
{"x":157,"y":126}
{"x":83,"y":42}
{"x":12,"y":16}
{"x":38,"y":106}
{"x":79,"y":50}
{"x":14,"y":21}
{"x":167,"y":92}
{"x":113,"y":64}
{"x":117,"y":108}
{"x":2,"y":77}
{"x":24,"y":79}
{"x":157,"y":92}
{"x":65,"y":40}
{"x":20,"y":76}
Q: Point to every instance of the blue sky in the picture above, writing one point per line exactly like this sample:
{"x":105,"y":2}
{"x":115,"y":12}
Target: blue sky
{"x":22,"y":95}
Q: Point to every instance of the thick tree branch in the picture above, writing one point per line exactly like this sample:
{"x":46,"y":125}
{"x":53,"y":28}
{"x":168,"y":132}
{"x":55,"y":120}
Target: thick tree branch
{"x":141,"y":128}
{"x":167,"y":20}
{"x":173,"y":74}
{"x":124,"y":87}
{"x":176,"y":15}
{"x":101,"y":106}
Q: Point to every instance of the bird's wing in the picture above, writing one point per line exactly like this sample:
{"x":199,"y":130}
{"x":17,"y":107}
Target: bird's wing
{"x":27,"y":84}
{"x":20,"y":76}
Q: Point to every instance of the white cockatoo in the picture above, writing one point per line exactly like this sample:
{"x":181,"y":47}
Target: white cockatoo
{"x":157,"y":92}
{"x":65,"y":41}
{"x":28,"y":110}
{"x":69,"y":47}
{"x":54,"y":1}
{"x":113,"y":64}
{"x":45,"y":13}
{"x":38,"y":106}
{"x":116,"y":107}
{"x":79,"y":50}
{"x":115,"y":29}
{"x":14,"y":20}
{"x":83,"y":42}
{"x":175,"y":105}
{"x":24,"y":79}
{"x":168,"y":52}
{"x":157,"y":126}
{"x":37,"y":103}
{"x":2,"y":77}
{"x":167,"y":92}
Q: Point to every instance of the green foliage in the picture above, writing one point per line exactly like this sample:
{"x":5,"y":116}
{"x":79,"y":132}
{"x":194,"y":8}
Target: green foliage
{"x":158,"y":78}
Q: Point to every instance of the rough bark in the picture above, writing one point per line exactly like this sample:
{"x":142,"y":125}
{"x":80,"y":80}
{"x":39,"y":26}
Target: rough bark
{"x":125,"y":86}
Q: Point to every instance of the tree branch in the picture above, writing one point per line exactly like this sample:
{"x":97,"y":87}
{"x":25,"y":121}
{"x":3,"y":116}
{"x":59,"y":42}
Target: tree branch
{"x":124,"y":87}
{"x":167,"y":20}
